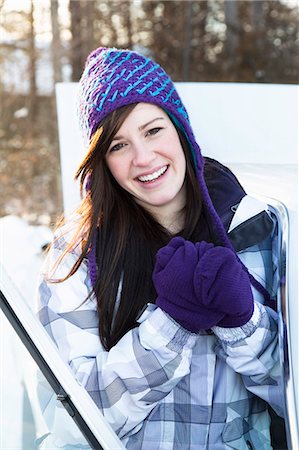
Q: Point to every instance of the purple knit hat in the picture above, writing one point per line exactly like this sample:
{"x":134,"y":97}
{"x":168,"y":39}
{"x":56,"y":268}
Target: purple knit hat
{"x":113,"y":78}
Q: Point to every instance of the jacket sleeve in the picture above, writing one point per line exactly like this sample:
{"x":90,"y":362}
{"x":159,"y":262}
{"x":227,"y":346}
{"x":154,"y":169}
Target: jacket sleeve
{"x":142,"y":368}
{"x":253,"y":349}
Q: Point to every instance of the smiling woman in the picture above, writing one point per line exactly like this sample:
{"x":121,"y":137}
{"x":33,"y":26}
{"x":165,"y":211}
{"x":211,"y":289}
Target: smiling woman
{"x":158,"y":292}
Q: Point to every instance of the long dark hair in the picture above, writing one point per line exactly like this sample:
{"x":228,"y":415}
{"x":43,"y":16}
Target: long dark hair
{"x":126,"y":235}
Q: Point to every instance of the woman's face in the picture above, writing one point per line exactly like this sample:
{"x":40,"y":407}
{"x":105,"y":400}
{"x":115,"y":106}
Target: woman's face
{"x":146,"y":159}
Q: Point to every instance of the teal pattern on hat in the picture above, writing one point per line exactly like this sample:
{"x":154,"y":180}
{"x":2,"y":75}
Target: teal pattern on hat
{"x":113,"y":78}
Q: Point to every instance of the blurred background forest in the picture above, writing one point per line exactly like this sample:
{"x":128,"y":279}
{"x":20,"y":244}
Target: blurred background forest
{"x":44,"y":42}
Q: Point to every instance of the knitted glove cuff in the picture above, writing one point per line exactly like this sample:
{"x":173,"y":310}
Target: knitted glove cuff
{"x":232,"y":335}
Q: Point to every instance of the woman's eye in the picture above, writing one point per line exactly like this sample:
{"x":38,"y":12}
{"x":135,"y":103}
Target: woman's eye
{"x":116,"y":147}
{"x":153,"y":131}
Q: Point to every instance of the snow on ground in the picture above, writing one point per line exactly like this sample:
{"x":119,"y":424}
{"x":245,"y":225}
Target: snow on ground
{"x":21,"y":254}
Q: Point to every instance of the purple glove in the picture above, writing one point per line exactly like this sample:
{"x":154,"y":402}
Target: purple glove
{"x":222,"y":282}
{"x":200,"y":285}
{"x":173,"y":279}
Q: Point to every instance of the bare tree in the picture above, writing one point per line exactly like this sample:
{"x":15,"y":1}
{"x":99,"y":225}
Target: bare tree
{"x":199,"y":43}
{"x":56,"y":42}
{"x":127,"y":21}
{"x":231,"y":11}
{"x":77,"y":55}
{"x":187,"y":41}
{"x":89,"y":34}
{"x":32,"y":100}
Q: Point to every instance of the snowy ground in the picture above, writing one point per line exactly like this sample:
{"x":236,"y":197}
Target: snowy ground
{"x":22,"y":255}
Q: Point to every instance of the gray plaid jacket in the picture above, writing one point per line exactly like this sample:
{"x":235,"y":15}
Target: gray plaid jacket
{"x":161,"y":387}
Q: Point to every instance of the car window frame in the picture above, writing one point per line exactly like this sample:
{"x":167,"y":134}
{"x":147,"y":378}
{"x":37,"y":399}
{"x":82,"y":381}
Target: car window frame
{"x":74,"y":398}
{"x":280,"y":212}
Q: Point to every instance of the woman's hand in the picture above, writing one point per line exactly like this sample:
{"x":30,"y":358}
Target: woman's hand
{"x":222,"y":282}
{"x":201,"y":285}
{"x":173,"y":278}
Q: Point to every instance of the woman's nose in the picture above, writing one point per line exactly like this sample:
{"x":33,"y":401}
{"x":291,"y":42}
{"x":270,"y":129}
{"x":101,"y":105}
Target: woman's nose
{"x":143,"y":155}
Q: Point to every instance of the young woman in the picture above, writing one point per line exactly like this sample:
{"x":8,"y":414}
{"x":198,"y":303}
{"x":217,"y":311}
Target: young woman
{"x":144,"y":294}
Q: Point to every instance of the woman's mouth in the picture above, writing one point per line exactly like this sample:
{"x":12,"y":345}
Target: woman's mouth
{"x":153,"y":176}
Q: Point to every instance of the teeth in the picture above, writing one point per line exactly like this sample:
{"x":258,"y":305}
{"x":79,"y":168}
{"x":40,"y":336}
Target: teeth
{"x":153,"y":176}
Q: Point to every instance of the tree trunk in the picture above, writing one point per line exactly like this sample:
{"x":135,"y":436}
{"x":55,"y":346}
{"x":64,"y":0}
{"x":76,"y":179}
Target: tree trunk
{"x":128,"y":23}
{"x":32,"y":71}
{"x":257,"y":14}
{"x":231,"y":16}
{"x":56,"y":43}
{"x":76,"y":57}
{"x":231,"y":11}
{"x":89,"y":41}
{"x":187,"y":43}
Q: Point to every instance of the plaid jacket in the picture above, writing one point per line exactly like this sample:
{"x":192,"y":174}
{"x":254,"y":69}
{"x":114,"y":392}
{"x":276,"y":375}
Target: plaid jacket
{"x":161,"y":387}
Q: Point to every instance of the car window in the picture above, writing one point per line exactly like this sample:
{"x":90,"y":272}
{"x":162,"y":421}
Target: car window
{"x":22,"y":422}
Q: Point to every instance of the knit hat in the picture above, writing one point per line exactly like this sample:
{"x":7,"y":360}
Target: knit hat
{"x":113,"y":78}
